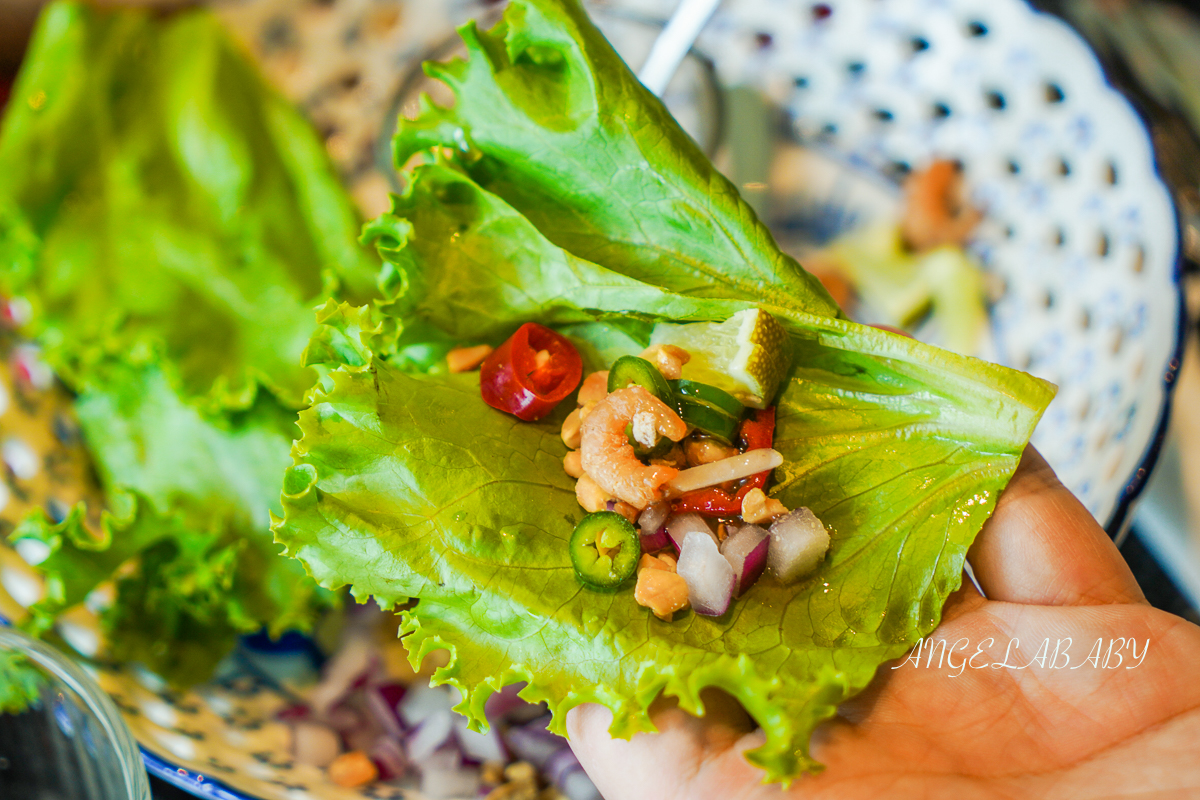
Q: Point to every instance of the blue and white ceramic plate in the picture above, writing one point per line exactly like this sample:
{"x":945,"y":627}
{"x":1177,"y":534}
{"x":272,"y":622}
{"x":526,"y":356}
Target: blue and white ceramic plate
{"x":1080,"y":231}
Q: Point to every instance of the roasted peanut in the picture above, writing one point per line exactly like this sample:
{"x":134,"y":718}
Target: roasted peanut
{"x":573,"y":464}
{"x":590,"y":495}
{"x":352,"y":769}
{"x":661,"y":591}
{"x":570,"y":430}
{"x":465,"y":359}
{"x":706,"y":451}
{"x":668,"y":358}
{"x":594,"y":388}
{"x":757,"y":507}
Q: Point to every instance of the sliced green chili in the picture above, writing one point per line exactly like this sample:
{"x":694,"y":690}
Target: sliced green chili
{"x":631,"y":370}
{"x":605,"y":549}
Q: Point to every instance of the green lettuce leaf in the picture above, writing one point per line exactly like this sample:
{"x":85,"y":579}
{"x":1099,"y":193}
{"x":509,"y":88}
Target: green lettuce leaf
{"x":548,"y":117}
{"x":160,"y":203}
{"x":186,"y":528}
{"x":406,"y":484}
{"x":174,"y":223}
{"x":20,"y":683}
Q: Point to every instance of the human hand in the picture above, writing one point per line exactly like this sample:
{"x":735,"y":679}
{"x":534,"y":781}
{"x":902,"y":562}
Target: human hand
{"x":1049,"y":572}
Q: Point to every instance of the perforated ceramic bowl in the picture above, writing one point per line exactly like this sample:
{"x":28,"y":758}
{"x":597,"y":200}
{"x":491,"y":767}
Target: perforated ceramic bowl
{"x":1080,"y":228}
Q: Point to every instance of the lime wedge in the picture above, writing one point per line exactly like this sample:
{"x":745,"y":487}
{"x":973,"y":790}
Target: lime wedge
{"x":748,"y":355}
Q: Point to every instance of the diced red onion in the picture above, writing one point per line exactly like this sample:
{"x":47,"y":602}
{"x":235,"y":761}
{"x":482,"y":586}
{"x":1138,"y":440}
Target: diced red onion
{"x":798,"y":544}
{"x":653,"y":518}
{"x":314,"y":744}
{"x":383,"y":712}
{"x":389,"y":758}
{"x":362,"y":737}
{"x":680,"y":525}
{"x":653,"y":542}
{"x":709,"y":577}
{"x":746,"y":551}
{"x":422,"y":701}
{"x":500,"y":703}
{"x":294,"y":713}
{"x":433,"y":732}
{"x":560,"y":765}
{"x":610,"y":505}
{"x":534,"y":743}
{"x":442,"y":776}
{"x":507,"y":706}
{"x":343,"y":718}
{"x":392,"y":693}
{"x":477,"y":746}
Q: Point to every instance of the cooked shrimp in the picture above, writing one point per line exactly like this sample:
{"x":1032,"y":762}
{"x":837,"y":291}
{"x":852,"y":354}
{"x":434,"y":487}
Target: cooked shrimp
{"x":608,"y":458}
{"x":936,"y":210}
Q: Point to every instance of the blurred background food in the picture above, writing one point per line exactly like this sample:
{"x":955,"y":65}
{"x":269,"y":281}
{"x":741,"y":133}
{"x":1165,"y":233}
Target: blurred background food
{"x":894,"y":245}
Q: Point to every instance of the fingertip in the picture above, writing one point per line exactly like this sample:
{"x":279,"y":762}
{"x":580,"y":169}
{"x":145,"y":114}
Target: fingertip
{"x":588,"y":720}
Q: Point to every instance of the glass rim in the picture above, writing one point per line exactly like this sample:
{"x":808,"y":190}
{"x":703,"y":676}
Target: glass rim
{"x":64,"y":669}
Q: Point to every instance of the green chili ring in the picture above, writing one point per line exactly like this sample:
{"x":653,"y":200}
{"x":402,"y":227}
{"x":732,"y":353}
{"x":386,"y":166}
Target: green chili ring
{"x":605,"y":549}
{"x":628,"y":370}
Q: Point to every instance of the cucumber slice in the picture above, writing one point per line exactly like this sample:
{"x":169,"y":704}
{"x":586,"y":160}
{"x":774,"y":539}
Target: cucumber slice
{"x":710,"y":395}
{"x":709,"y":420}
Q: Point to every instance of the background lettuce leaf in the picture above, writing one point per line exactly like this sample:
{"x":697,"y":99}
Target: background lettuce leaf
{"x":174,"y":224}
{"x":550,"y":118}
{"x":406,"y":484}
{"x":162,"y":204}
{"x":21,"y":683}
{"x":187,"y":528}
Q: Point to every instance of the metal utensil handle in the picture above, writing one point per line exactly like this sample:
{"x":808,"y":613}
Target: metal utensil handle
{"x":673,"y":44}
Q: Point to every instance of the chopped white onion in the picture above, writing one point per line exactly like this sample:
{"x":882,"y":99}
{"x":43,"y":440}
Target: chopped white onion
{"x":798,"y":544}
{"x":746,"y":551}
{"x":709,"y":577}
{"x":650,"y":520}
{"x":479,"y":746}
{"x":680,"y":525}
{"x":733,"y":468}
{"x":315,"y":744}
{"x":422,"y":701}
{"x":430,"y":735}
{"x":443,"y":777}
